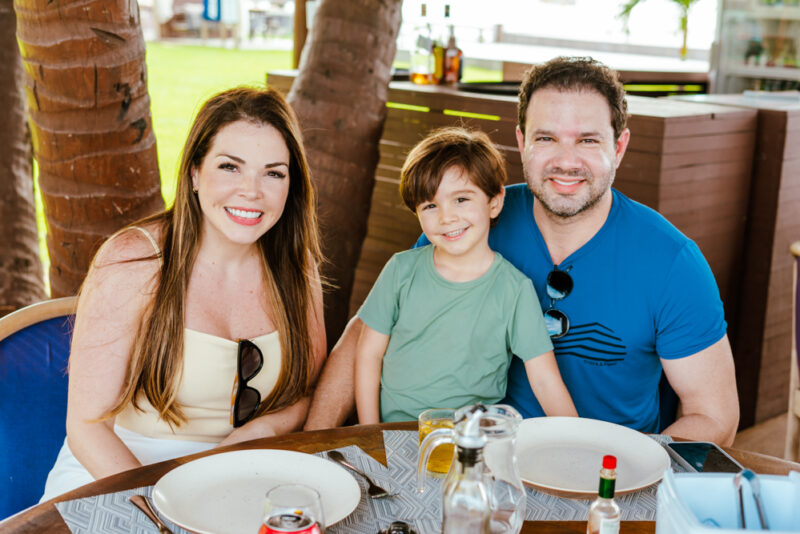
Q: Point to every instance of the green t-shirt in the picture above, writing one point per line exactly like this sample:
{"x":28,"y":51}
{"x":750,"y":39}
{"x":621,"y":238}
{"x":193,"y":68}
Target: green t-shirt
{"x":451,"y":342}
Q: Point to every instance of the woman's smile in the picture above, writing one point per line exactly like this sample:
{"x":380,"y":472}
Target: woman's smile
{"x":244,"y":216}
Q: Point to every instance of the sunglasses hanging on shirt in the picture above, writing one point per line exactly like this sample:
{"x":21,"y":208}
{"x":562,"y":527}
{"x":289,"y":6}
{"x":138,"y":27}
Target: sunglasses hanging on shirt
{"x":559,"y":286}
{"x":246,"y":399}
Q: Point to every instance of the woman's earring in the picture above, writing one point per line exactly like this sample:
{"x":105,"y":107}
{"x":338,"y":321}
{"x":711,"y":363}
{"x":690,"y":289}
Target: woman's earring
{"x":194,"y":190}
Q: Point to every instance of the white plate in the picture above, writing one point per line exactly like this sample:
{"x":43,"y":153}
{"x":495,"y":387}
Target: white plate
{"x":224,"y":493}
{"x":564,"y":455}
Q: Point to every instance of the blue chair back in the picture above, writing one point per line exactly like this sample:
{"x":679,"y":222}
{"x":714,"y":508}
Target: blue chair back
{"x":33,"y":407}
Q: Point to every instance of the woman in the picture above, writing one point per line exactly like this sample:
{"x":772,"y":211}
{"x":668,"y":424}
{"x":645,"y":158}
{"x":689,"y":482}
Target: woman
{"x":189,"y":318}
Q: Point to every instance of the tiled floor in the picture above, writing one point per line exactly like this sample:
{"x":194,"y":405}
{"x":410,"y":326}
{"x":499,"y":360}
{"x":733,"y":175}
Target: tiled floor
{"x":767,"y":437}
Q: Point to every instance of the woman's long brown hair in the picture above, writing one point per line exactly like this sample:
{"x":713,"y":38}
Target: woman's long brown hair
{"x":287,"y":251}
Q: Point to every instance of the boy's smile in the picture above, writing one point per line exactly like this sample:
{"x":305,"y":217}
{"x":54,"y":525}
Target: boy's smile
{"x":456,"y":220}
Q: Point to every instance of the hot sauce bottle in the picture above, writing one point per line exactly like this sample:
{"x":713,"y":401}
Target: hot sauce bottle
{"x":604,"y":514}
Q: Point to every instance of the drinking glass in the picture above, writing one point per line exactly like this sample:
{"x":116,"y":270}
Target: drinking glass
{"x":442,"y":456}
{"x":293,"y":508}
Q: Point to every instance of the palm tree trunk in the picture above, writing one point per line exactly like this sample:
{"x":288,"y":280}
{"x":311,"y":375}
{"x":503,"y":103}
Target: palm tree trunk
{"x":90,"y":118}
{"x":21,"y":280}
{"x":340,"y":97}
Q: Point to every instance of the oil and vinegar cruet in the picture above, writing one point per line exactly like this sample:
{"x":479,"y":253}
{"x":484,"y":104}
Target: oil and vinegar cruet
{"x":482,"y":492}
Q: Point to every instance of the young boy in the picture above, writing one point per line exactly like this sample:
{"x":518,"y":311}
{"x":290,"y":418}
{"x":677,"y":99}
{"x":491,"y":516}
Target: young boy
{"x":443,"y":321}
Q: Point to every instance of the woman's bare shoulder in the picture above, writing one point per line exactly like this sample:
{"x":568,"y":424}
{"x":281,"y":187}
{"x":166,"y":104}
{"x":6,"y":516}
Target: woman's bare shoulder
{"x":116,"y":294}
{"x":140,"y":244}
{"x":128,"y":263}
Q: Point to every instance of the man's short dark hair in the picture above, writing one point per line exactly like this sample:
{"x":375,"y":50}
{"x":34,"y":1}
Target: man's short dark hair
{"x":575,"y":74}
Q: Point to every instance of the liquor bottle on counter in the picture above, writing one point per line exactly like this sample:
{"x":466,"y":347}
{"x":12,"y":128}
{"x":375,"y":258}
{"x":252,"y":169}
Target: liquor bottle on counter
{"x":604,"y":513}
{"x":421,"y":71}
{"x":438,"y":47}
{"x":452,"y":60}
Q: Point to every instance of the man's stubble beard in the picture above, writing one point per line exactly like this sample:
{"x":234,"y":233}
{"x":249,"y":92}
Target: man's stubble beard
{"x":568,"y":211}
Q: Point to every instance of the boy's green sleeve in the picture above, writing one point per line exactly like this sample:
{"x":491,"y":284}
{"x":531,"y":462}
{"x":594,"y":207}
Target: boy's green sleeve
{"x":380,"y":309}
{"x":527,"y":334}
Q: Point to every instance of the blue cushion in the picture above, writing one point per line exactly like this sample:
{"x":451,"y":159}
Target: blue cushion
{"x":33,"y":409}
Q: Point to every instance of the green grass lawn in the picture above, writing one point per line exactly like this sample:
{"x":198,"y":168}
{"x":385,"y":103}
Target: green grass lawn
{"x":180,"y":78}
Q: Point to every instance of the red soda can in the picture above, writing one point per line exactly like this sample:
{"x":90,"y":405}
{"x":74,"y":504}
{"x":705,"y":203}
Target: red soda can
{"x":296,"y":523}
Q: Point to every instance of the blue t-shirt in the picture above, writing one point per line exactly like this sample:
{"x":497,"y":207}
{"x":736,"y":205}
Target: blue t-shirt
{"x":641,"y":291}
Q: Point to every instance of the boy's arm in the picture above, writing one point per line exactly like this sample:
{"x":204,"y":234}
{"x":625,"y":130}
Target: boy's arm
{"x":547,"y":385}
{"x":369,"y":359}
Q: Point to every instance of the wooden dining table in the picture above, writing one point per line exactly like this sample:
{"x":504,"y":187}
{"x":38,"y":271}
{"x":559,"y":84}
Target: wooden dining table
{"x":45,"y":518}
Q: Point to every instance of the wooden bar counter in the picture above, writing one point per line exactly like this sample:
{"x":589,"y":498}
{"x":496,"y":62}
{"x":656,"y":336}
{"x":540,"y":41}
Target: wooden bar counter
{"x":690,"y":161}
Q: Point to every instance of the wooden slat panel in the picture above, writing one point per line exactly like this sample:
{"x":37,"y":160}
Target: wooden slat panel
{"x":692,"y":143}
{"x":762,"y":326}
{"x":705,"y":198}
{"x":738,"y":121}
{"x":700,"y":157}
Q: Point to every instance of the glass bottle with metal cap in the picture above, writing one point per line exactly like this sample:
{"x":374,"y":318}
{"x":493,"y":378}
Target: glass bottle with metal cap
{"x":604,"y":513}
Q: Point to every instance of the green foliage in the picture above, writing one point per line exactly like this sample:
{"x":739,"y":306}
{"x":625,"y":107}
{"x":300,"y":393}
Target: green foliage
{"x":683,"y":23}
{"x":627,"y":7}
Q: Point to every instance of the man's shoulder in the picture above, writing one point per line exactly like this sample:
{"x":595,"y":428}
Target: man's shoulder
{"x":644,"y":223}
{"x":517,"y":196}
{"x":516,"y":215}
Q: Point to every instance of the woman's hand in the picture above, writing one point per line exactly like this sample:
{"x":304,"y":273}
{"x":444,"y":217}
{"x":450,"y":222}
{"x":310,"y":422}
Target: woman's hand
{"x":290,"y":419}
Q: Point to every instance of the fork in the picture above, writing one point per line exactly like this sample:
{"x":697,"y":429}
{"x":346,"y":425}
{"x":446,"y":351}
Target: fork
{"x":374,"y":491}
{"x":143,"y":504}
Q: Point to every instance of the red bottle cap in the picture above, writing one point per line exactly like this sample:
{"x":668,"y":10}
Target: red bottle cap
{"x":609,"y":462}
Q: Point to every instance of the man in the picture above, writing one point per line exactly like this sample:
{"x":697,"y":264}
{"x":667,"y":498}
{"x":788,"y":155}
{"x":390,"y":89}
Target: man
{"x":625,"y":293}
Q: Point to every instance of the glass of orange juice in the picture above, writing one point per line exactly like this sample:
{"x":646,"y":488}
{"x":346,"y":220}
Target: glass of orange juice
{"x":442,"y":456}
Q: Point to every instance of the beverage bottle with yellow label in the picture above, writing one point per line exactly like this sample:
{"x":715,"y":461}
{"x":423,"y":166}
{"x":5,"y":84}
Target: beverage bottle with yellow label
{"x":604,"y":513}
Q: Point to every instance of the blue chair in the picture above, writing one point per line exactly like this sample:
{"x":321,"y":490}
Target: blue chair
{"x":34,"y":349}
